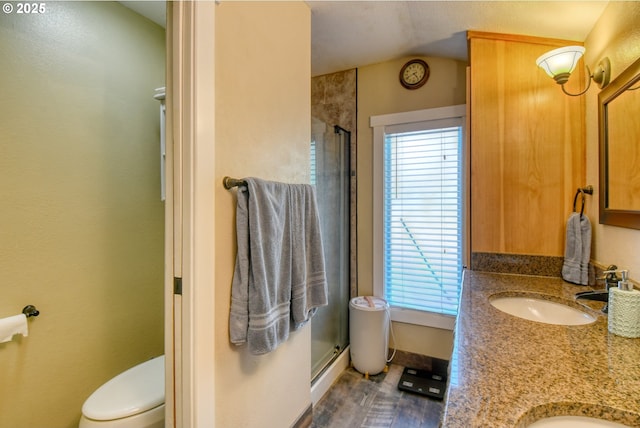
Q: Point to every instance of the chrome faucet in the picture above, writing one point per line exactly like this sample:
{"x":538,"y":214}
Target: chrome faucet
{"x":610,"y":277}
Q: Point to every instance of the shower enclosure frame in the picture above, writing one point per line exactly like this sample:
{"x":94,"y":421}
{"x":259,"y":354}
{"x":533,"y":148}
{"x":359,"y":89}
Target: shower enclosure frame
{"x":332,"y":164}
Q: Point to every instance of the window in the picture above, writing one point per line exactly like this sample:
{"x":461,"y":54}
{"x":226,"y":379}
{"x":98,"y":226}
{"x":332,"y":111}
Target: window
{"x":313,"y":163}
{"x":419,"y":213}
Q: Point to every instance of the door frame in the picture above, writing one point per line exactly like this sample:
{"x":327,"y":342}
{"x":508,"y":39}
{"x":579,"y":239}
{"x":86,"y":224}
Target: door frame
{"x":190,"y":216}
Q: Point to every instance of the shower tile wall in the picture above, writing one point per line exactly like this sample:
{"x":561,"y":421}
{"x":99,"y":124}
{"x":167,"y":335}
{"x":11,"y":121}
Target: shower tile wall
{"x":333,"y":101}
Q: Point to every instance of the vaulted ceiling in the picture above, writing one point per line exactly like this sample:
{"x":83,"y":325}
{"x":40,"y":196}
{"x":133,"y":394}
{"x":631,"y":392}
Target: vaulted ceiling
{"x":349,"y":34}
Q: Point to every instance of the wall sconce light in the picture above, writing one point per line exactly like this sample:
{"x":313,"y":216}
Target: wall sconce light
{"x":560,"y":63}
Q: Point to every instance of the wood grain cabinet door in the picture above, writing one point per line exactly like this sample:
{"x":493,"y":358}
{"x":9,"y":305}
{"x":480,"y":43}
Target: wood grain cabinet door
{"x":527,"y":147}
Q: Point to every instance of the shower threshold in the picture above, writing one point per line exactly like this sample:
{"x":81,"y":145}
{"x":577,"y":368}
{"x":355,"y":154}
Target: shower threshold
{"x":323,"y":381}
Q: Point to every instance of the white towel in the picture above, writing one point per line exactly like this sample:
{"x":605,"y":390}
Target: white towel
{"x":279,"y":275}
{"x":575,"y":268}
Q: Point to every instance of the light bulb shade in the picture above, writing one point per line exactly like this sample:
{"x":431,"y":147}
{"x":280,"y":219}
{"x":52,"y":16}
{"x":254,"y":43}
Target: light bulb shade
{"x":559,"y":63}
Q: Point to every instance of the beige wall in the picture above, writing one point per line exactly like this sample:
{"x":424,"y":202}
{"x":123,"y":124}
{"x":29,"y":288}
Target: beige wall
{"x":82,"y":223}
{"x":616,"y":35}
{"x":263,"y":116}
{"x":380,"y":92}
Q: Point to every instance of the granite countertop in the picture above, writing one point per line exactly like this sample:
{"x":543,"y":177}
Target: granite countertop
{"x":509,"y":372}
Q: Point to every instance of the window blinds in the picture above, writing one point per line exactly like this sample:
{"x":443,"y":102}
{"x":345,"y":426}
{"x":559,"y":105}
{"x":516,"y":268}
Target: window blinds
{"x":423,"y":216}
{"x":313,"y":163}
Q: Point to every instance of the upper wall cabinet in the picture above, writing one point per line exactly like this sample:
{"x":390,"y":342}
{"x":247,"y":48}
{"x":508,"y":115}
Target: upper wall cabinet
{"x":527,"y":147}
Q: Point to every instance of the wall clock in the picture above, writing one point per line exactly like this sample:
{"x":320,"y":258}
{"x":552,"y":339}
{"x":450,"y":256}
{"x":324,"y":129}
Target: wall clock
{"x":414,"y":74}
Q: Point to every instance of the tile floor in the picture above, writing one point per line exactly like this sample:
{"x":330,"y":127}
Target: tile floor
{"x":354,"y":401}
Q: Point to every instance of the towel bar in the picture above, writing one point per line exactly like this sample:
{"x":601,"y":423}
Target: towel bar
{"x":588,"y":190}
{"x":230,"y":183}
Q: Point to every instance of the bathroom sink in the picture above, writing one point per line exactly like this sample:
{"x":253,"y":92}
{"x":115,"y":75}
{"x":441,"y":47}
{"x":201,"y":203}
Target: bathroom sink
{"x":544,"y":311}
{"x":574,"y":422}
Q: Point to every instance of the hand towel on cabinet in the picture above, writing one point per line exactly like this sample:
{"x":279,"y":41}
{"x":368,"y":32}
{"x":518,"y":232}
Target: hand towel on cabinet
{"x":279,"y":279}
{"x":585,"y":234}
{"x":575,"y":268}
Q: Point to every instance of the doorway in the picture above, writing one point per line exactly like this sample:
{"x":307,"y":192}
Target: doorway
{"x":83,"y":223}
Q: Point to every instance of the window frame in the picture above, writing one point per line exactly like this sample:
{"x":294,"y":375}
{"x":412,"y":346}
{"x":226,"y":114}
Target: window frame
{"x":380,"y":124}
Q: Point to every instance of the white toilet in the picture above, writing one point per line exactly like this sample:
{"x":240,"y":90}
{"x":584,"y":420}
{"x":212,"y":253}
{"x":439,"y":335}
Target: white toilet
{"x":133,"y":399}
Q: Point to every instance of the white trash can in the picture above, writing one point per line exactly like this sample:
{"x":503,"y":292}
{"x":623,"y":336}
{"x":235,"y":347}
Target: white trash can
{"x":369,"y":334}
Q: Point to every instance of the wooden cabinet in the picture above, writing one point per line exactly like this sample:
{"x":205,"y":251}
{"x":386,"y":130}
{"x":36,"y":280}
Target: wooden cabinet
{"x":527,"y":147}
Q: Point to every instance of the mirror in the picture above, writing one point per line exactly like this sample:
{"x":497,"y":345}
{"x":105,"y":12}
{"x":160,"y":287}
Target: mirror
{"x":620,"y":150}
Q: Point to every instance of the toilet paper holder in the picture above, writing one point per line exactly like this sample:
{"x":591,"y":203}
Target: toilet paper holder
{"x":30,"y":311}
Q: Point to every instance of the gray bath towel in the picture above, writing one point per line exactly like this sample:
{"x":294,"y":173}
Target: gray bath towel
{"x":575,"y":268}
{"x":585,"y":233}
{"x":279,"y":279}
{"x":309,"y":282}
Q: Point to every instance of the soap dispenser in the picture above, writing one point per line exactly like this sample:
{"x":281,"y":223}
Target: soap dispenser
{"x":624,"y":308}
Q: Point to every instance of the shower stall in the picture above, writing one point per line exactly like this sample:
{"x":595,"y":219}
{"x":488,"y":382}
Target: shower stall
{"x":330,"y":173}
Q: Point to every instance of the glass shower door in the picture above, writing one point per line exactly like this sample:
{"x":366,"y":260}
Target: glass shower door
{"x":330,"y":173}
